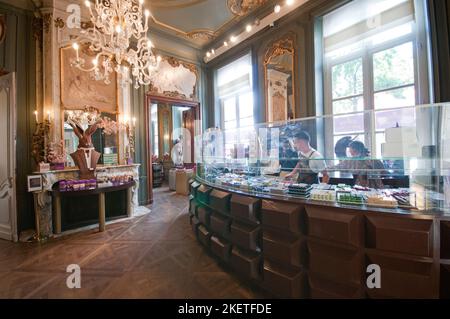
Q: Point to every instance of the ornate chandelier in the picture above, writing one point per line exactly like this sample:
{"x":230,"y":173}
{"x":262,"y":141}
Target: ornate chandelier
{"x":118,"y":36}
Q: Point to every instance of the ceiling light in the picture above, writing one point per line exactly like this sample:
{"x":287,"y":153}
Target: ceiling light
{"x":233,"y":38}
{"x":208,"y":54}
{"x":213,"y":51}
{"x":225,"y":43}
{"x":289,"y":2}
{"x":87,"y":3}
{"x":248,"y":28}
{"x":277,"y":8}
{"x":158,"y":58}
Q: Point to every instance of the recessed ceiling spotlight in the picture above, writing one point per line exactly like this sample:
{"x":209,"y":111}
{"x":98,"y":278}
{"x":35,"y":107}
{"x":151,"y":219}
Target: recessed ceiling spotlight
{"x":225,"y":43}
{"x":233,"y":38}
{"x":248,"y":28}
{"x":289,"y":2}
{"x":277,"y":8}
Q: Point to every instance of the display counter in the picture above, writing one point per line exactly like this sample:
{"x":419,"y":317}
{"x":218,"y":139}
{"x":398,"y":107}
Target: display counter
{"x":305,"y":212}
{"x":297,"y":248}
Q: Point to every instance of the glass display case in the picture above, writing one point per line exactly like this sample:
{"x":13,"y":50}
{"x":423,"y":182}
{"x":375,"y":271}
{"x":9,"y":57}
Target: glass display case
{"x":393,"y":158}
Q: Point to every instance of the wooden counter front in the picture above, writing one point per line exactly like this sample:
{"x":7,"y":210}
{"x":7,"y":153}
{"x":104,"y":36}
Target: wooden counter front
{"x":310,"y":249}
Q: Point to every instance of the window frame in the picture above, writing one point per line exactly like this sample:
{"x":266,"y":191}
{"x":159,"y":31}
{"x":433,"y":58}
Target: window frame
{"x":367,"y":55}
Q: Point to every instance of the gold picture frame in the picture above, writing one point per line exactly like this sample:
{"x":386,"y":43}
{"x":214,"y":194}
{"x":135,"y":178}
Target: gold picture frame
{"x":277,"y":50}
{"x":78,"y":89}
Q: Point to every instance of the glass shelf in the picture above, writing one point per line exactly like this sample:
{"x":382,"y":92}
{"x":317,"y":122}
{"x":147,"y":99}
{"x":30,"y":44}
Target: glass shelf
{"x":408,"y":168}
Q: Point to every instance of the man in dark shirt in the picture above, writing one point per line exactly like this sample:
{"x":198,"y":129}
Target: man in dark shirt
{"x":288,"y":156}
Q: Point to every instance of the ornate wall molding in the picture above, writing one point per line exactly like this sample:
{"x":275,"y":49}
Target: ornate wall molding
{"x":38,"y":29}
{"x":2,"y":28}
{"x":47,"y":21}
{"x":174,"y":78}
{"x":286,"y":44}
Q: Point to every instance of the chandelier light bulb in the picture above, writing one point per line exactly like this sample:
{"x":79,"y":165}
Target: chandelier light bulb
{"x":120,"y":37}
{"x":277,"y":8}
{"x":248,"y":28}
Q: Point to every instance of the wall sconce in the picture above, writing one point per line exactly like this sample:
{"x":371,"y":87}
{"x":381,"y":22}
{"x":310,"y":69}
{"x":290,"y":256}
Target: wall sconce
{"x":41,"y":138}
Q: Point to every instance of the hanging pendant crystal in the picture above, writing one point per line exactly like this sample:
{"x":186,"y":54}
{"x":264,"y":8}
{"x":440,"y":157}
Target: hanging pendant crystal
{"x":118,"y":37}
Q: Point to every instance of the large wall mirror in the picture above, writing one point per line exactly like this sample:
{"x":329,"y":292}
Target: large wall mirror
{"x":107,"y":144}
{"x":279,"y":76}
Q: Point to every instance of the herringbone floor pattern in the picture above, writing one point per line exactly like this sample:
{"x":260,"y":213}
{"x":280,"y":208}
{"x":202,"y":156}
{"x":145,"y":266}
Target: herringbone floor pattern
{"x":153,"y":256}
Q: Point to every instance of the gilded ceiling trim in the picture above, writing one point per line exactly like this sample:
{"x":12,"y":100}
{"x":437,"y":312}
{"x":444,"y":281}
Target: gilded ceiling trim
{"x":244,"y":7}
{"x":175,"y":4}
{"x":239,"y":8}
{"x":201,"y":35}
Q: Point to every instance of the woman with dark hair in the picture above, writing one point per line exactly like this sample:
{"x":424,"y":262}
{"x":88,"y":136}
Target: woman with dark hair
{"x":364,"y":169}
{"x":340,"y":149}
{"x":358,"y":149}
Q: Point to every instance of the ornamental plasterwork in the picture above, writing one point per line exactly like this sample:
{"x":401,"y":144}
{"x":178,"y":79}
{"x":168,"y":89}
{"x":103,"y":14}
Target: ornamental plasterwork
{"x":175,"y":78}
{"x":244,"y":7}
{"x":201,"y":35}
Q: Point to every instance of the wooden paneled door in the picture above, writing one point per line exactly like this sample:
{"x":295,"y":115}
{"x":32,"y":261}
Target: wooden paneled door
{"x":8,"y":213}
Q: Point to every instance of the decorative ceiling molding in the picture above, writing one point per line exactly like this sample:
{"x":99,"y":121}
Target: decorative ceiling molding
{"x":175,"y":3}
{"x":206,"y":35}
{"x":200,"y":37}
{"x":244,"y":7}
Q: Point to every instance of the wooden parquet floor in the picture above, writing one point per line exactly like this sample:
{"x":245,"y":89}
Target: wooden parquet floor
{"x":152,"y":256}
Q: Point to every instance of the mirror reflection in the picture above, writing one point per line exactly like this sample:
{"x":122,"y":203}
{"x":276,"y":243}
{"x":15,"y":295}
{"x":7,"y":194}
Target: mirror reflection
{"x":106,"y":144}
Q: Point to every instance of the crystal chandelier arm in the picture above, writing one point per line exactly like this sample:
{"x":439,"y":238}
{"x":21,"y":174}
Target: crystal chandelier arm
{"x":119,"y":32}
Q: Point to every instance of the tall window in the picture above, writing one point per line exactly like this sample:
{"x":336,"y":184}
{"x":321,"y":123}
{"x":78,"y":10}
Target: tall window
{"x":235,"y":95}
{"x":374,"y":58}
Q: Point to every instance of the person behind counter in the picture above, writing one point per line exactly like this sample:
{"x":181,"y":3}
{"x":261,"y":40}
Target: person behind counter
{"x":288,"y":157}
{"x":310,"y":162}
{"x":361,"y":166}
